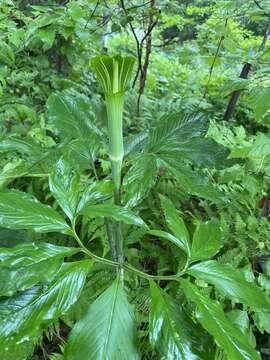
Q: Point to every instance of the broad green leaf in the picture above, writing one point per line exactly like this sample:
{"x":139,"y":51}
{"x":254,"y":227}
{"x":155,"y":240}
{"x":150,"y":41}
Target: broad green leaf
{"x":47,"y":36}
{"x":26,"y":265}
{"x":11,"y":171}
{"x":175,"y":222}
{"x":116,"y":212}
{"x":135,"y":143}
{"x":193,"y":182}
{"x":95,"y":192}
{"x":181,"y":137}
{"x":240,"y":319}
{"x":170,"y":237}
{"x":73,"y":117}
{"x":206,"y":241}
{"x":231,"y":282}
{"x":213,"y":319}
{"x":262,"y":321}
{"x":259,"y":101}
{"x":24,"y":349}
{"x":22,"y":321}
{"x":172,"y":333}
{"x":200,"y":151}
{"x":6,"y":54}
{"x":64,"y":185}
{"x":23,"y":146}
{"x":107,"y":331}
{"x":139,"y":179}
{"x":175,"y":130}
{"x":19,"y":210}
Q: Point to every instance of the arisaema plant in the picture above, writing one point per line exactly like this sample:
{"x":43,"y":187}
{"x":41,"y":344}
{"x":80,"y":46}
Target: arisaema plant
{"x":43,"y":282}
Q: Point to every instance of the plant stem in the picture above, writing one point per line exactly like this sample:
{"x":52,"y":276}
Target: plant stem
{"x":123,"y":266}
{"x":114,"y":104}
{"x":92,"y":255}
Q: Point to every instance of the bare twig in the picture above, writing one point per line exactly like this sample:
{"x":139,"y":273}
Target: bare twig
{"x":92,"y":13}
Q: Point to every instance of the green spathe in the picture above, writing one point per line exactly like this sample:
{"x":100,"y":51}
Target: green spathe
{"x":114,"y":73}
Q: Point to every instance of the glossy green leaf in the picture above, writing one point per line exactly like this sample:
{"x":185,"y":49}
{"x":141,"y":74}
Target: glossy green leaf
{"x":23,"y":266}
{"x":19,"y":210}
{"x":192,"y":182}
{"x":7,"y":307}
{"x":165,"y":235}
{"x":175,"y":222}
{"x":262,"y":321}
{"x":175,"y":130}
{"x":116,"y":212}
{"x":231,"y":282}
{"x":95,"y":192}
{"x":172,"y":333}
{"x":259,"y":101}
{"x":73,"y":117}
{"x":64,"y":185}
{"x":206,"y":241}
{"x":213,"y":319}
{"x":22,"y":319}
{"x":107,"y":331}
{"x":139,"y":180}
{"x":6,"y":54}
{"x":203,"y":152}
{"x":135,"y":143}
{"x":240,"y":319}
{"x":11,"y":171}
{"x":23,"y":146}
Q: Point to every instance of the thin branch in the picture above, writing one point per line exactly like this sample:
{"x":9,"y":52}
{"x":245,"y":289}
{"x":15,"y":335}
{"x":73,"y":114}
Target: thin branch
{"x":213,"y":63}
{"x":92,"y":13}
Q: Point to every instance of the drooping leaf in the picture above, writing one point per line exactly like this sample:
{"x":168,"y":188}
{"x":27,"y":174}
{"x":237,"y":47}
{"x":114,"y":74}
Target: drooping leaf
{"x":206,"y":241}
{"x":172,"y":333}
{"x":116,"y":212}
{"x":139,"y":180}
{"x":231,"y":283}
{"x":107,"y":331}
{"x":175,"y":222}
{"x":64,"y":184}
{"x":213,"y":319}
{"x":19,"y":210}
{"x":22,"y":320}
{"x":26,"y":265}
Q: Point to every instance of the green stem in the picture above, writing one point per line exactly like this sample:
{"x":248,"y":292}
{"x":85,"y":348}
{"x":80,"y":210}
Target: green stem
{"x":92,"y":255}
{"x":115,"y":104}
{"x":123,"y":266}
